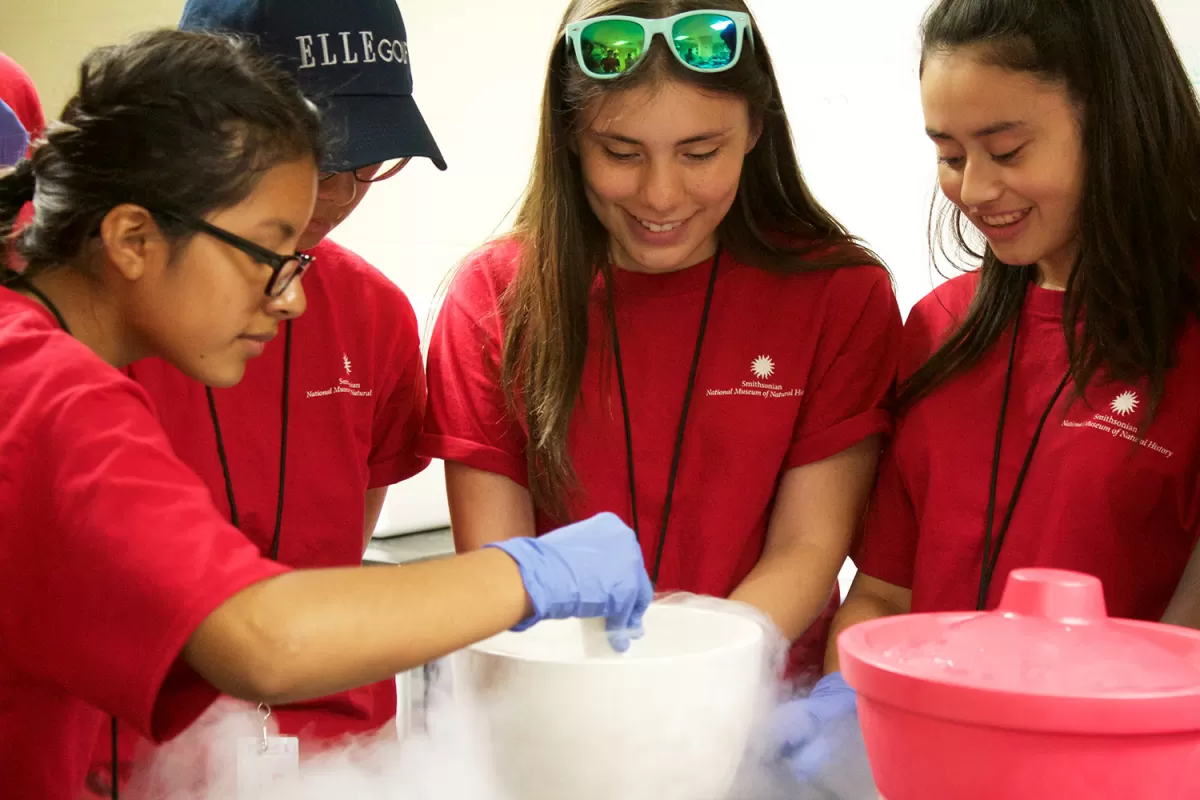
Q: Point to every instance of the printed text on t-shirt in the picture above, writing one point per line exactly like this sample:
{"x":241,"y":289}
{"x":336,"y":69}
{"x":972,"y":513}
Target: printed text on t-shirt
{"x":344,"y":386}
{"x":1123,"y":404}
{"x":756,"y":389}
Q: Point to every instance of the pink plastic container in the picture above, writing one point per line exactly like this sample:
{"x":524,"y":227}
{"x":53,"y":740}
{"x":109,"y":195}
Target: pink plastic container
{"x":1046,"y":698}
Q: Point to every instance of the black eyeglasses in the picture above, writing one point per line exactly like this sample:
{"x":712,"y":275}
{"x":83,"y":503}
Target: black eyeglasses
{"x":284,"y":269}
{"x":374,"y":173}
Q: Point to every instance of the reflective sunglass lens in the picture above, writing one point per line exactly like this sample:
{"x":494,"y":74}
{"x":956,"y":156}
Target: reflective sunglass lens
{"x":706,"y":41}
{"x":611,"y":47}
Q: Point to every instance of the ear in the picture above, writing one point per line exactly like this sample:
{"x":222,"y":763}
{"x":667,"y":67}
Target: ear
{"x":132,"y":240}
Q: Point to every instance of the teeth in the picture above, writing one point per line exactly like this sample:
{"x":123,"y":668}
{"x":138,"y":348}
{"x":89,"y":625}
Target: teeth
{"x":670,"y":226}
{"x":1006,"y":219}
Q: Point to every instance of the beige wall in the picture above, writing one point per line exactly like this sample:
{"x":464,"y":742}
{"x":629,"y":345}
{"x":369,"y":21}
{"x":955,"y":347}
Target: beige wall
{"x":50,"y":37}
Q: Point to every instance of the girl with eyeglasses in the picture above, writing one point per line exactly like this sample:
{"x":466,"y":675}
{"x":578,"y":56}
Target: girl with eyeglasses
{"x":1047,"y":404}
{"x":300,"y":454}
{"x":168,"y":202}
{"x":676,"y":331}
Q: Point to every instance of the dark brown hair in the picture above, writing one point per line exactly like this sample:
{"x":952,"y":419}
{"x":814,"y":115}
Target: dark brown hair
{"x":177,"y":122}
{"x":775,"y":223}
{"x":1135,"y":279}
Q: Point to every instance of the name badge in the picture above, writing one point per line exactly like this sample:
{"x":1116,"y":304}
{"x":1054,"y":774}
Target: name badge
{"x":263,"y":763}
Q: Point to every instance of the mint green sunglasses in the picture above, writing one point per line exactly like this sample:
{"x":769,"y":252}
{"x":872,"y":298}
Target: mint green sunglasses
{"x":704,"y":41}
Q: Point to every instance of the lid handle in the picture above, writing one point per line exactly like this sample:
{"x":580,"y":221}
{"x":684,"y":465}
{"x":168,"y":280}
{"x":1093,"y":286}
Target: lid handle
{"x":1068,"y":597}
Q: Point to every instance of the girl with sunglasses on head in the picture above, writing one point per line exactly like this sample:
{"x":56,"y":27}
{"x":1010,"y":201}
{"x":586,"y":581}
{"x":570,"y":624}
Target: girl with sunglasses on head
{"x":1047,"y":403}
{"x":168,"y":203}
{"x":676,"y":331}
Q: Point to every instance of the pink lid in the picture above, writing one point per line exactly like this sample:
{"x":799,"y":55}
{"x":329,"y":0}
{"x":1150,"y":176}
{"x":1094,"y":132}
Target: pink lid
{"x":1049,"y":658}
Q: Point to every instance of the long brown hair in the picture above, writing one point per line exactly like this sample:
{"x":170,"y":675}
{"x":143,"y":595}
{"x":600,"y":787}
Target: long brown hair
{"x":1135,"y":280}
{"x":775,"y":223}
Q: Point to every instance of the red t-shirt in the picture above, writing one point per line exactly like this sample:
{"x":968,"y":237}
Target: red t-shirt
{"x":357,"y":397}
{"x":1093,"y":500}
{"x":795,"y":368}
{"x":112,"y":555}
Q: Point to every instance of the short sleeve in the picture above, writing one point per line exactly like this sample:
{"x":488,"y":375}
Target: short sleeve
{"x":121,"y":556}
{"x":887,"y":547}
{"x":853,"y":369}
{"x":401,"y":408}
{"x":933,"y":319}
{"x":468,"y":420}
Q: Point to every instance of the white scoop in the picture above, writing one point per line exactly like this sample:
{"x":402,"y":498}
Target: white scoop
{"x":566,"y":718}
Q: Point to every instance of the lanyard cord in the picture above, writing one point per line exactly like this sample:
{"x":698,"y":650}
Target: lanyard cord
{"x":212,"y":410}
{"x":679,"y":435}
{"x":24,"y":283}
{"x":233,"y":512}
{"x":992,"y":556}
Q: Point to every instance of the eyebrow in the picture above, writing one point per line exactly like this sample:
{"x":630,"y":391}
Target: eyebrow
{"x":283,"y":226}
{"x":982,"y":133}
{"x":703,"y":137}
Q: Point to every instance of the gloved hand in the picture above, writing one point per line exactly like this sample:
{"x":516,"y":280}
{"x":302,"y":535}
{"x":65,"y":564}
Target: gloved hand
{"x":592,"y":568}
{"x":808,"y":728}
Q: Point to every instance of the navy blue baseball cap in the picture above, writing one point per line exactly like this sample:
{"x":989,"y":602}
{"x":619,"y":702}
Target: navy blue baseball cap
{"x":350,"y":58}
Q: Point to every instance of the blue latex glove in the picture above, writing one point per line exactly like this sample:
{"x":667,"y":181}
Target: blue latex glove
{"x":13,"y":138}
{"x":593,"y":568}
{"x":807,"y":728}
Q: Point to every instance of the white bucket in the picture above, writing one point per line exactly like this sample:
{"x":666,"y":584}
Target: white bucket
{"x":566,"y":718}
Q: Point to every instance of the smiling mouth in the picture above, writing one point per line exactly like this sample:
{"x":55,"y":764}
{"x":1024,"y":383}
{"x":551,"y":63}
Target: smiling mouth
{"x":1004,"y":220}
{"x":659,"y":227}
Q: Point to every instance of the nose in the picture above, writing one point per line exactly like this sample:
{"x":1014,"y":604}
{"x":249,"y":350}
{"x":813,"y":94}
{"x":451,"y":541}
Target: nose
{"x":980,"y":183}
{"x":290,"y":304}
{"x":662,"y":187}
{"x":339,"y":189}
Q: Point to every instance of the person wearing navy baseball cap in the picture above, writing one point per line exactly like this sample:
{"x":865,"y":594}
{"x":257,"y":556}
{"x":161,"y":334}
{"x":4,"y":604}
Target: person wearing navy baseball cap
{"x":350,"y":58}
{"x":299,"y":455}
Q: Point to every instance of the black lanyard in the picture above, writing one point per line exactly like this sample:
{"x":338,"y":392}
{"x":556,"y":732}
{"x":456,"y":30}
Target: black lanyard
{"x":992,"y":556}
{"x":24,"y":283}
{"x":212,"y":410}
{"x":687,"y":401}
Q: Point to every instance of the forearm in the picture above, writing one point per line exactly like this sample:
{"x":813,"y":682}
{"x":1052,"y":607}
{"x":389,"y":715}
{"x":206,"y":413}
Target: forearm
{"x":312,"y":633}
{"x":817,"y":508}
{"x":372,"y":508}
{"x":792,"y":586}
{"x":857,"y":608}
{"x":1185,"y":605}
